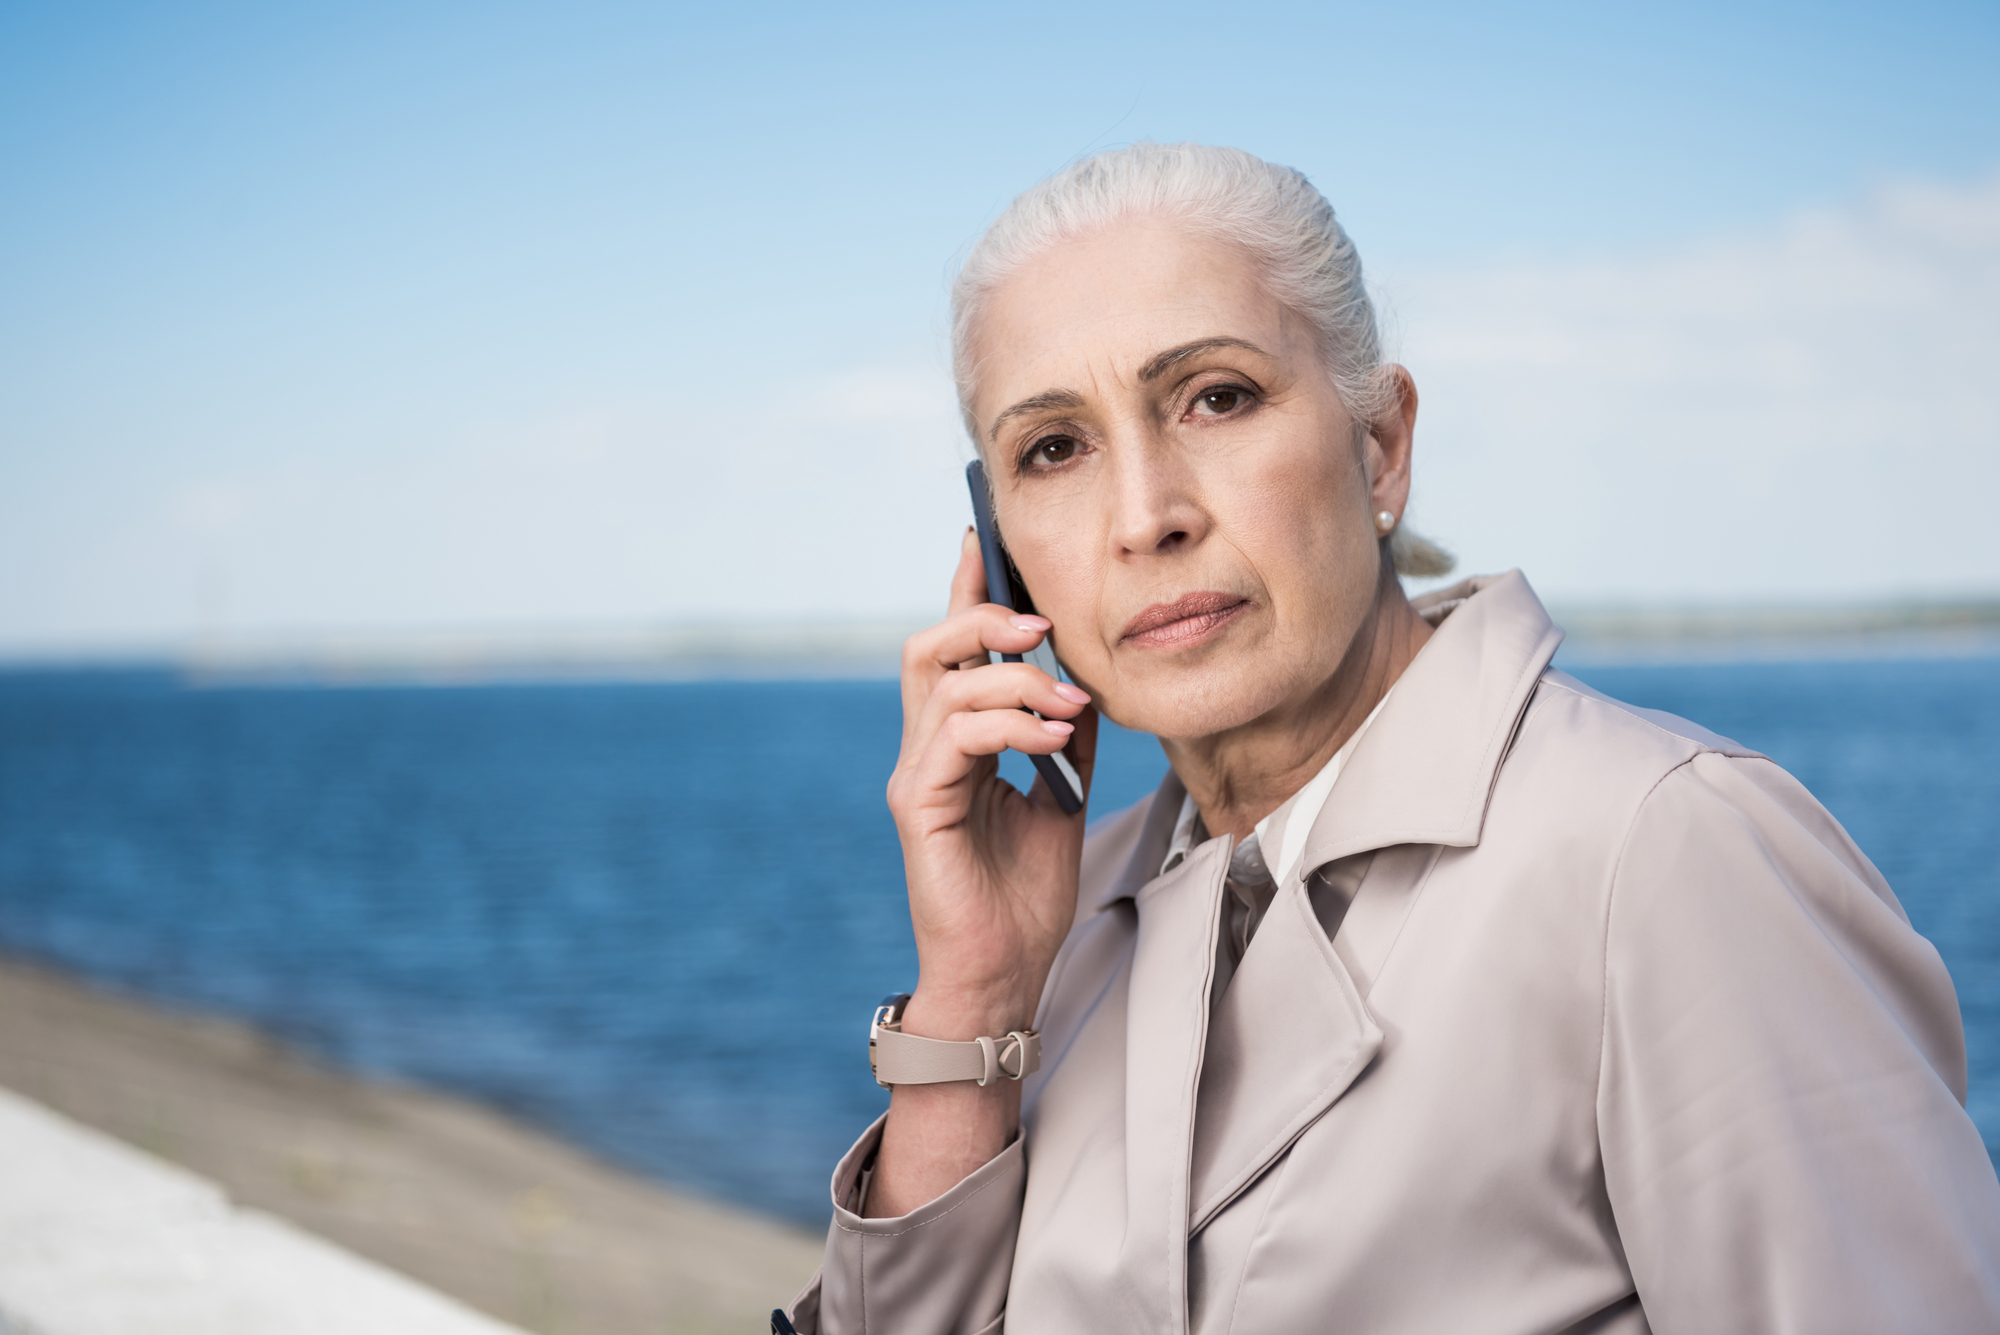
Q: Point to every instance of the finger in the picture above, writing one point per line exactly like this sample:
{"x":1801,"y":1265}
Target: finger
{"x":966,"y":738}
{"x":999,"y":686}
{"x":968,"y":584}
{"x":963,"y":638}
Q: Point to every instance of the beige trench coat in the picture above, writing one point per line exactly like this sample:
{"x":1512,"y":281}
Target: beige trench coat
{"x":1575,"y":1017}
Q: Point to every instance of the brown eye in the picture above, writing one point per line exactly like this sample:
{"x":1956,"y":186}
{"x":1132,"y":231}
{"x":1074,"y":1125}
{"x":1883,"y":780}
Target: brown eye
{"x":1219,"y":401}
{"x":1051,"y":450}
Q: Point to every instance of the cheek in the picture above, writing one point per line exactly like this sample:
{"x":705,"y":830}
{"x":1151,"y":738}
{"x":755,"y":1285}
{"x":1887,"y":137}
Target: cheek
{"x":1305,"y":517}
{"x":1063,"y":567}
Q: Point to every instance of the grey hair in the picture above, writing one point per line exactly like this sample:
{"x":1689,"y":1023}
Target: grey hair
{"x":1273,"y":212}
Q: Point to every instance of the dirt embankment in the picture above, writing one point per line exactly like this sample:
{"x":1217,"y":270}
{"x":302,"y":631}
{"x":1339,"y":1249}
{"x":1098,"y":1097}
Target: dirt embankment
{"x":504,"y":1217}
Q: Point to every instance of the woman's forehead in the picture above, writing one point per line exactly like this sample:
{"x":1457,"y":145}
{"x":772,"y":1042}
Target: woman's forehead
{"x":1107,"y":304}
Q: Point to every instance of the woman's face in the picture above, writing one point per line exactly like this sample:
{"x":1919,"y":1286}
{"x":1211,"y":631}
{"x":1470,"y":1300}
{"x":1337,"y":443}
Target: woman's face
{"x":1178,"y":480}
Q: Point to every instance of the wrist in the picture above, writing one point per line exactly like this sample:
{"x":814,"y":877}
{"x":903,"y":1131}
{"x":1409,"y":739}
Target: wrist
{"x":960,"y":1015}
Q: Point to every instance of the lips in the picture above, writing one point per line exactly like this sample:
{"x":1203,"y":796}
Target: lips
{"x":1184,"y":621}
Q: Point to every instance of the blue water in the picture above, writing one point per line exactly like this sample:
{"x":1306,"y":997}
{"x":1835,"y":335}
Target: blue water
{"x":654,"y":918}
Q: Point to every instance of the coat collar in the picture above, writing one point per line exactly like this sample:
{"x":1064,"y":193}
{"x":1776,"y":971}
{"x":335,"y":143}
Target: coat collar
{"x":1424,"y":770}
{"x":1155,"y":833}
{"x":1215,"y":1096}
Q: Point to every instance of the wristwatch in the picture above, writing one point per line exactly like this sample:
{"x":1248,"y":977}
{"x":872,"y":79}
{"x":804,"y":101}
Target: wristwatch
{"x":898,"y":1058}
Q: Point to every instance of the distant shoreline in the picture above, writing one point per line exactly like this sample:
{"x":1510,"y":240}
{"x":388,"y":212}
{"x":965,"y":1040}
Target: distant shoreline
{"x":867,"y":650}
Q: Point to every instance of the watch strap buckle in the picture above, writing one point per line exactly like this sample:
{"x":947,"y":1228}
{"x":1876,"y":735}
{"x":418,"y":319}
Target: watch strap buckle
{"x":898,"y":1058}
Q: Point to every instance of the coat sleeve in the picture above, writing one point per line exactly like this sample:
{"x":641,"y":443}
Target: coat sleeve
{"x":939,"y":1270}
{"x":1783,"y":1077}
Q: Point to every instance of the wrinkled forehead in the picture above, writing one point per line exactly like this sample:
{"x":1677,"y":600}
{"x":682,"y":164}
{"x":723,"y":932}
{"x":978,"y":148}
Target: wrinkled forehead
{"x":1088,"y":313}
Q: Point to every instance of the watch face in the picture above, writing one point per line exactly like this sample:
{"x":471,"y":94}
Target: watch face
{"x":891,"y":1009}
{"x":890,"y":1014}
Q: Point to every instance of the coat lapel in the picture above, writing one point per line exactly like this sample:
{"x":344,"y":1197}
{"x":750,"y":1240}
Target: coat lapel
{"x":1173,"y":967}
{"x":1288,"y":1039}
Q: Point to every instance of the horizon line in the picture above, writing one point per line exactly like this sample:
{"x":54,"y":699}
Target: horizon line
{"x":799,"y":648}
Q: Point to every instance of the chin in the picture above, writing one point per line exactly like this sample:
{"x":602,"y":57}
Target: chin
{"x":1200,"y":702}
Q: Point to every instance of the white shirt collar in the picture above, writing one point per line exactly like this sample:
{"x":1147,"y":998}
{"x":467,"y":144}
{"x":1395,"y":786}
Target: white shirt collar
{"x":1288,"y":827}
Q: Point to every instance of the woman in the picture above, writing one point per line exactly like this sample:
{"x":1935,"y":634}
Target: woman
{"x":1433,"y":991}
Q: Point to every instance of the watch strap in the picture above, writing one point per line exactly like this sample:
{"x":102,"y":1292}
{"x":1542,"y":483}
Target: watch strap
{"x":898,"y":1058}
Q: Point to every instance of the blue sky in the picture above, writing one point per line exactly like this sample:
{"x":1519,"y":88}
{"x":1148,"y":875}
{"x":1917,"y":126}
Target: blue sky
{"x":319,"y":317}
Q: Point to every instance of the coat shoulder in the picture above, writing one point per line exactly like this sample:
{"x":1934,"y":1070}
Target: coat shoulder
{"x":1601,"y":764}
{"x":1582,"y":765}
{"x":1644,"y":743}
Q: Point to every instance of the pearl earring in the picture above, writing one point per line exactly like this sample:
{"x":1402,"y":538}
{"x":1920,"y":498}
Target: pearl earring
{"x":1384,"y":520}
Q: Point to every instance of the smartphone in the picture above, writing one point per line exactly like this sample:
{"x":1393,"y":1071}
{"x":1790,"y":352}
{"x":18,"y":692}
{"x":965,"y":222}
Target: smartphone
{"x":1004,"y":586}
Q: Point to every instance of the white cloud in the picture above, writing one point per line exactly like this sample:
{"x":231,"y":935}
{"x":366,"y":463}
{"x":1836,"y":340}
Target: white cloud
{"x":875,"y":396}
{"x":1812,"y":410}
{"x":210,"y":507}
{"x":837,"y":495}
{"x":1809,"y":410}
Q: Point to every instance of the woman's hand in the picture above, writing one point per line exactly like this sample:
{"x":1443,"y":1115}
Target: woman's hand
{"x":992,"y":871}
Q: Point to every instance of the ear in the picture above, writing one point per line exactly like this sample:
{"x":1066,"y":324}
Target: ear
{"x":1391,"y":437}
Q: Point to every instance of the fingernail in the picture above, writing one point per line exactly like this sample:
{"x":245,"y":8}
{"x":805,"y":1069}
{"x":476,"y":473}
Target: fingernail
{"x":1071,"y":693}
{"x":1058,"y":727}
{"x":1028,"y":621}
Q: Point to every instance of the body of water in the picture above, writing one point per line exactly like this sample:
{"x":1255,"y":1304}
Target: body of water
{"x":654,"y":918}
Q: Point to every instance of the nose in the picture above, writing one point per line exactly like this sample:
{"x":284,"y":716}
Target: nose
{"x":1156,"y":510}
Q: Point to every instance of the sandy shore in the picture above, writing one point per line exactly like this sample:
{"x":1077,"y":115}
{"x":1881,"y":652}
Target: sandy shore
{"x":504,"y":1217}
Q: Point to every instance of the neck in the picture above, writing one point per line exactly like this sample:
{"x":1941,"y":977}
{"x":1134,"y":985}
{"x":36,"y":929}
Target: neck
{"x":1238,"y":777}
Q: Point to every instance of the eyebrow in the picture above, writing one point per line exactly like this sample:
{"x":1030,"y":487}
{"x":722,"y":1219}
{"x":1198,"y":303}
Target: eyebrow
{"x":1172,"y":357}
{"x":1035,"y":403}
{"x":1158,"y":365}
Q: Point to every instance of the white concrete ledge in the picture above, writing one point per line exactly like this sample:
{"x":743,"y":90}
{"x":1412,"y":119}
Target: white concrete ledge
{"x":99,"y":1238}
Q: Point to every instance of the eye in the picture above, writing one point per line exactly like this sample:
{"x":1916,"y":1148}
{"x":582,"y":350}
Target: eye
{"x":1219,"y":401}
{"x":1049,"y":451}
